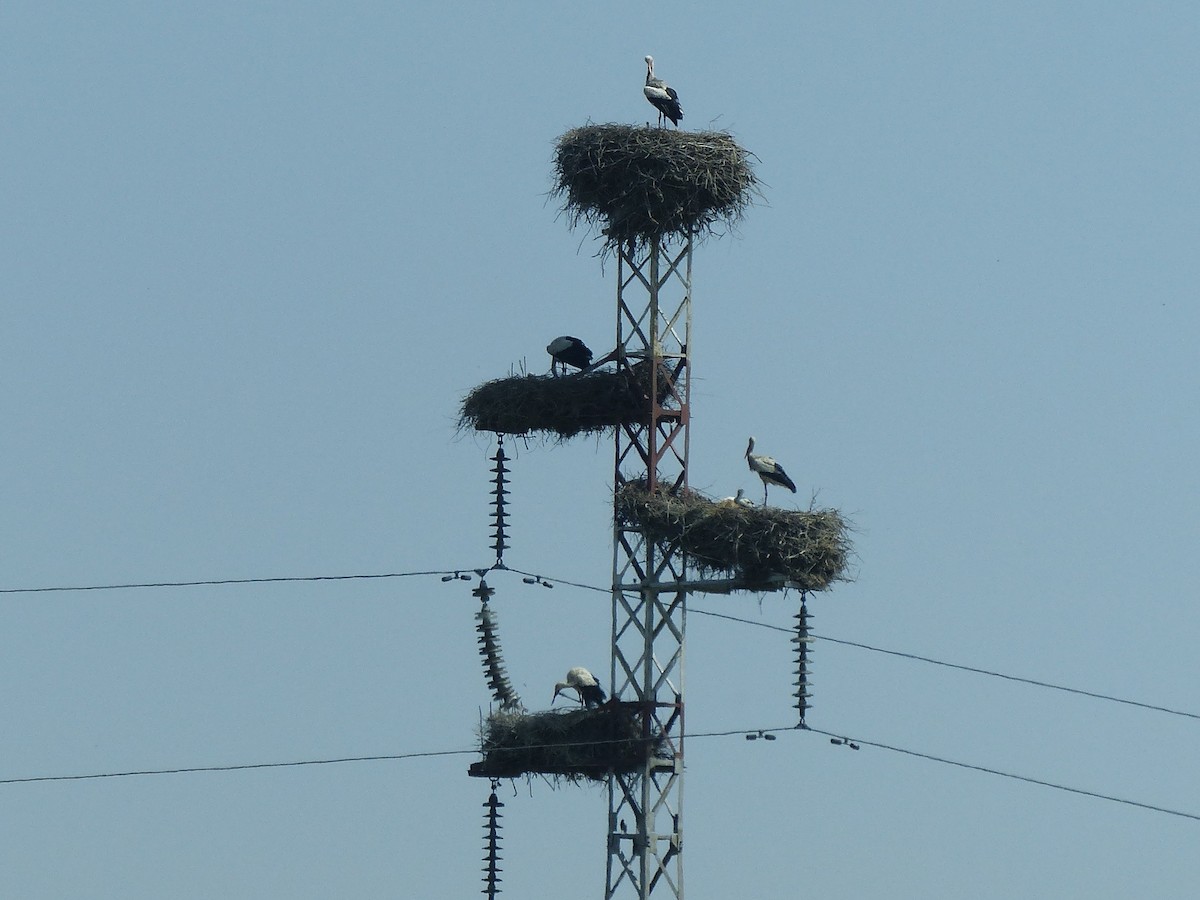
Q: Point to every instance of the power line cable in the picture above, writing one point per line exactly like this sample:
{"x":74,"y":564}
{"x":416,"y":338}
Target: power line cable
{"x":692,"y":736}
{"x":235,"y":768}
{"x":225,"y":581}
{"x":578,"y":584}
{"x":964,"y":668}
{"x":1018,"y":678}
{"x":591,"y":587}
{"x":990,"y":771}
{"x":913,"y":656}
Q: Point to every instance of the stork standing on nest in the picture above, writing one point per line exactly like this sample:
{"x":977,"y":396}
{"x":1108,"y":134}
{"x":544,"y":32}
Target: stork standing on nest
{"x":662,"y":95}
{"x":584,"y":684}
{"x":568,"y":351}
{"x":768,"y":470}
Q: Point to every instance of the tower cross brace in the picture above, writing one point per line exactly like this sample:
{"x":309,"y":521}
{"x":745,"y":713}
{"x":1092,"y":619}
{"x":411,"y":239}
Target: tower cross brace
{"x":649,"y":601}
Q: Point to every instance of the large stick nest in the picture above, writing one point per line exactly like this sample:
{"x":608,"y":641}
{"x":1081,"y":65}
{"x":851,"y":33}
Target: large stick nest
{"x":642,"y":184}
{"x":583,"y":403}
{"x":572,"y":746}
{"x":766,"y":547}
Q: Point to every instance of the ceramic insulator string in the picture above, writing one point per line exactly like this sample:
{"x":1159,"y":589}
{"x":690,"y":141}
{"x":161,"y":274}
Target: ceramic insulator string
{"x":802,"y":640}
{"x":489,"y":650}
{"x":491,"y":843}
{"x":499,"y":504}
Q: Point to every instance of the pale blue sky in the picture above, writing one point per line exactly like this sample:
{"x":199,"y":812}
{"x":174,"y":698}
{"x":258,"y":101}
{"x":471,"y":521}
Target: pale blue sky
{"x":255,"y":254}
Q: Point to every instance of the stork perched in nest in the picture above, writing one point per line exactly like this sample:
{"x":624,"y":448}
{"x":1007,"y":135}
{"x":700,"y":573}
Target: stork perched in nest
{"x":741,"y":500}
{"x":584,"y":683}
{"x":568,"y":351}
{"x":663,"y":96}
{"x":768,"y":470}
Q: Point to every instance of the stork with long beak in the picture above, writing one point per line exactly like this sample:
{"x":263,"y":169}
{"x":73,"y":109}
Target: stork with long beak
{"x":768,"y":470}
{"x":662,"y":95}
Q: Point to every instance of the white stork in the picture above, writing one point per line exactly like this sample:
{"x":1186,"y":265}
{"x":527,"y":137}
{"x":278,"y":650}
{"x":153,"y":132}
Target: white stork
{"x":768,"y":470}
{"x":662,"y":95}
{"x":740,"y":500}
{"x":568,"y":351}
{"x":584,"y":684}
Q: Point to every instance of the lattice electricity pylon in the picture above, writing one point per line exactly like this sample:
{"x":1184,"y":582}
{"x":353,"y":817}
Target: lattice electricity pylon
{"x":802,"y":640}
{"x":491,"y":843}
{"x":654,"y":317}
{"x":499,"y":512}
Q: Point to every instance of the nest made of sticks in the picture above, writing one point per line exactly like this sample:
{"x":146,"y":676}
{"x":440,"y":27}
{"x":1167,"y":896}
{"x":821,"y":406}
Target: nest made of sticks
{"x":642,"y":184}
{"x":809,"y":549}
{"x":582,"y":744}
{"x":582,"y":403}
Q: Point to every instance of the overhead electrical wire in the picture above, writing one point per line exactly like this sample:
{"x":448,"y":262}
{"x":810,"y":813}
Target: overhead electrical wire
{"x":1027,"y":779}
{"x":460,"y":573}
{"x":913,"y":656}
{"x":447,"y":574}
{"x":963,"y":668}
{"x":834,"y":736}
{"x":1018,"y":678}
{"x":187,"y":770}
{"x":222,"y":581}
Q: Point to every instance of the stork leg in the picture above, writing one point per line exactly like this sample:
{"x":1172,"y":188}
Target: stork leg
{"x":764,"y":492}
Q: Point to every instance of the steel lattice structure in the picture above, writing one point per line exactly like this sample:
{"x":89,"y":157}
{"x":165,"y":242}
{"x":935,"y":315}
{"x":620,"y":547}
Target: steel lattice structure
{"x":645,"y":808}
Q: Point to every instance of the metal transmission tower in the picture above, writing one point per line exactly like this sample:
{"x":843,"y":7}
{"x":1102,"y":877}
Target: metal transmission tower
{"x":650,"y":192}
{"x":645,"y":808}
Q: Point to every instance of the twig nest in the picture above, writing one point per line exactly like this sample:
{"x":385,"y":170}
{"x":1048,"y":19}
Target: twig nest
{"x":642,"y":184}
{"x":585,"y":403}
{"x":756,"y":544}
{"x":577,"y":745}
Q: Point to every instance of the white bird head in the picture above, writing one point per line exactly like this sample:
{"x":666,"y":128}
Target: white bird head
{"x":750,"y":448}
{"x":650,"y":63}
{"x":558,"y":689}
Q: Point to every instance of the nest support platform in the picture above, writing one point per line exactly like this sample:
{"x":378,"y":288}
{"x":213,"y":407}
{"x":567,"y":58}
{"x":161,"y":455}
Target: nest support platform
{"x":581,"y":403}
{"x":642,"y":184}
{"x":763,"y":548}
{"x":574,"y":745}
